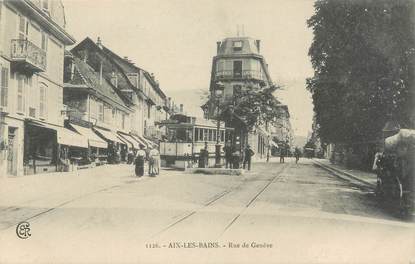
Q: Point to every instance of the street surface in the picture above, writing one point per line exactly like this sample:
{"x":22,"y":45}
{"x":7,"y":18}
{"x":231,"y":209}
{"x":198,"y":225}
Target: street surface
{"x":275,"y":213}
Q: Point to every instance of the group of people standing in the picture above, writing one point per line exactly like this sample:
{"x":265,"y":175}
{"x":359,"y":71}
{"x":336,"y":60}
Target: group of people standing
{"x":143,"y":156}
{"x":233,"y":156}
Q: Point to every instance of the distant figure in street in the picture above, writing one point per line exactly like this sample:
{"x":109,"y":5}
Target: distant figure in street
{"x":154,"y":164}
{"x":130,"y":157}
{"x":248,"y":156}
{"x":139,"y":161}
{"x":282,"y":155}
{"x":228,"y":154}
{"x":236,"y":158}
{"x":297,"y":155}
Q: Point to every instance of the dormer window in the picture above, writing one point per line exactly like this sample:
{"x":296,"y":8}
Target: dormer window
{"x":45,"y":6}
{"x":237,"y":45}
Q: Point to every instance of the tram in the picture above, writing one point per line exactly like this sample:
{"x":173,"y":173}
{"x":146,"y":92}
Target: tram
{"x":187,"y":136}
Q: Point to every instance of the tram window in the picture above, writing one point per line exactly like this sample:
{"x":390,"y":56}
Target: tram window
{"x":201,"y":134}
{"x":189,"y":135}
{"x":196,"y":134}
{"x":214,"y":135}
{"x":205,"y":134}
{"x":210,"y":134}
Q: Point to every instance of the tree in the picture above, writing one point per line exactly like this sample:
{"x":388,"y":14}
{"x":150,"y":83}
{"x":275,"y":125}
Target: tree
{"x":255,"y":106}
{"x":363,"y":55}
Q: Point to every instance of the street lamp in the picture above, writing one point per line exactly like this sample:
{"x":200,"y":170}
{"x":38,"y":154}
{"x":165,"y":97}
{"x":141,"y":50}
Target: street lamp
{"x":219,"y":87}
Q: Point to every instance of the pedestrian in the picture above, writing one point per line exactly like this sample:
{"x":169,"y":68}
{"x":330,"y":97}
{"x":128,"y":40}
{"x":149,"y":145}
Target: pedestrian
{"x":139,"y":161}
{"x":236,"y":158}
{"x":248,"y":156}
{"x":282,"y":155}
{"x":228,"y":154}
{"x":154,"y":167}
{"x":297,"y":155}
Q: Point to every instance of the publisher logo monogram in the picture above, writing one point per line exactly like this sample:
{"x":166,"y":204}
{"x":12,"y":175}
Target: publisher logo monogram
{"x":23,"y":230}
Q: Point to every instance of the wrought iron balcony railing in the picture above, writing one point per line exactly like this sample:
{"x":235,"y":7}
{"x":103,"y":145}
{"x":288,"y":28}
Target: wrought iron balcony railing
{"x":245,"y":74}
{"x":28,"y":54}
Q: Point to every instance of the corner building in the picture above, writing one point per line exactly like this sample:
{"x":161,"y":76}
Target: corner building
{"x":239,"y":65}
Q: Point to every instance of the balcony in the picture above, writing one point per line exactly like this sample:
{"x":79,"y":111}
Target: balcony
{"x":244,"y":75}
{"x":28,"y":56}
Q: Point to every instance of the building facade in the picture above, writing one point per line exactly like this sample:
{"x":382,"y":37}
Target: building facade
{"x":32,"y":45}
{"x":92,"y":103}
{"x":140,"y":89}
{"x":238,"y":65}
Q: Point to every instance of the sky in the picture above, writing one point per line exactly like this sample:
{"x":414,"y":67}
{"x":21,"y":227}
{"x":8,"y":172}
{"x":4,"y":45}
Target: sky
{"x":176,"y":40}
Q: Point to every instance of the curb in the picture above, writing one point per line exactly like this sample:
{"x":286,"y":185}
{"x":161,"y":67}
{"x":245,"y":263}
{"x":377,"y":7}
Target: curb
{"x":343,"y":173}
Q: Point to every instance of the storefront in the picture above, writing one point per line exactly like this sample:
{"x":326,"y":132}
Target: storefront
{"x":48,"y":148}
{"x":97,"y":147}
{"x":115,"y":145}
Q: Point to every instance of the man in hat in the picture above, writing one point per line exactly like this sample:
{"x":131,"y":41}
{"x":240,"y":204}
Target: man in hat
{"x":248,"y":155}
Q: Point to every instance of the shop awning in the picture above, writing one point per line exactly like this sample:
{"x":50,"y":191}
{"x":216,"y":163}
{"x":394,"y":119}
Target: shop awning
{"x":139,"y":140}
{"x":93,"y":139}
{"x":109,"y":135}
{"x":65,"y":136}
{"x":126,"y":142}
{"x":151,"y":143}
{"x":130,"y":140}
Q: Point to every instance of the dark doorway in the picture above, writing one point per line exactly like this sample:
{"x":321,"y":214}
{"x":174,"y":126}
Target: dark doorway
{"x":237,"y":69}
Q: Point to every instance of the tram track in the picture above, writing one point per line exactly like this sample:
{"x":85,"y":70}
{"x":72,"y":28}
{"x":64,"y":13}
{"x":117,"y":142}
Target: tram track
{"x":218,"y":197}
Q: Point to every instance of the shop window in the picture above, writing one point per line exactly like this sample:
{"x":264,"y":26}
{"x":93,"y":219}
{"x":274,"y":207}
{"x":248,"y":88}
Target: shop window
{"x":4,"y":86}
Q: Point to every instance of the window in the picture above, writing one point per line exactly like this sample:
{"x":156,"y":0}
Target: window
{"x":101,"y":112}
{"x":42,"y":100}
{"x":4,"y":86}
{"x":196,"y":134}
{"x":205,"y":135}
{"x":23,"y":27}
{"x":200,"y":134}
{"x":45,"y":5}
{"x":148,"y":110}
{"x":237,"y":45}
{"x":237,"y":69}
{"x":222,"y":136}
{"x":214,"y":135}
{"x":44,"y":44}
{"x":210,"y":134}
{"x":21,"y":83}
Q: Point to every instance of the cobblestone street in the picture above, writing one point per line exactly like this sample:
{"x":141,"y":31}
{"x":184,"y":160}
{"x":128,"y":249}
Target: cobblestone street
{"x":278,"y":210}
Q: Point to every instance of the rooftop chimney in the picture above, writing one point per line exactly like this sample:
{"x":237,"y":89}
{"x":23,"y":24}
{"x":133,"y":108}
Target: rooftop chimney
{"x":99,"y":42}
{"x":258,"y":44}
{"x":218,"y":46}
{"x":181,"y":108}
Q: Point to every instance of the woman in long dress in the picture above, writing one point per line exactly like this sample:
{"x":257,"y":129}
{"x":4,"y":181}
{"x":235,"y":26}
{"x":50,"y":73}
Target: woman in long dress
{"x":139,"y":161}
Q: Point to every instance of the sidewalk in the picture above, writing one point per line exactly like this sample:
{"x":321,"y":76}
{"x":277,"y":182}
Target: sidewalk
{"x":367,"y":178}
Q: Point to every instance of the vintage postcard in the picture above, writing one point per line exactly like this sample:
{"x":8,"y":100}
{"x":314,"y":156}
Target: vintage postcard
{"x":207,"y":131}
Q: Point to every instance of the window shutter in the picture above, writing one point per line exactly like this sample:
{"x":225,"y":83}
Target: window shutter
{"x":4,"y":86}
